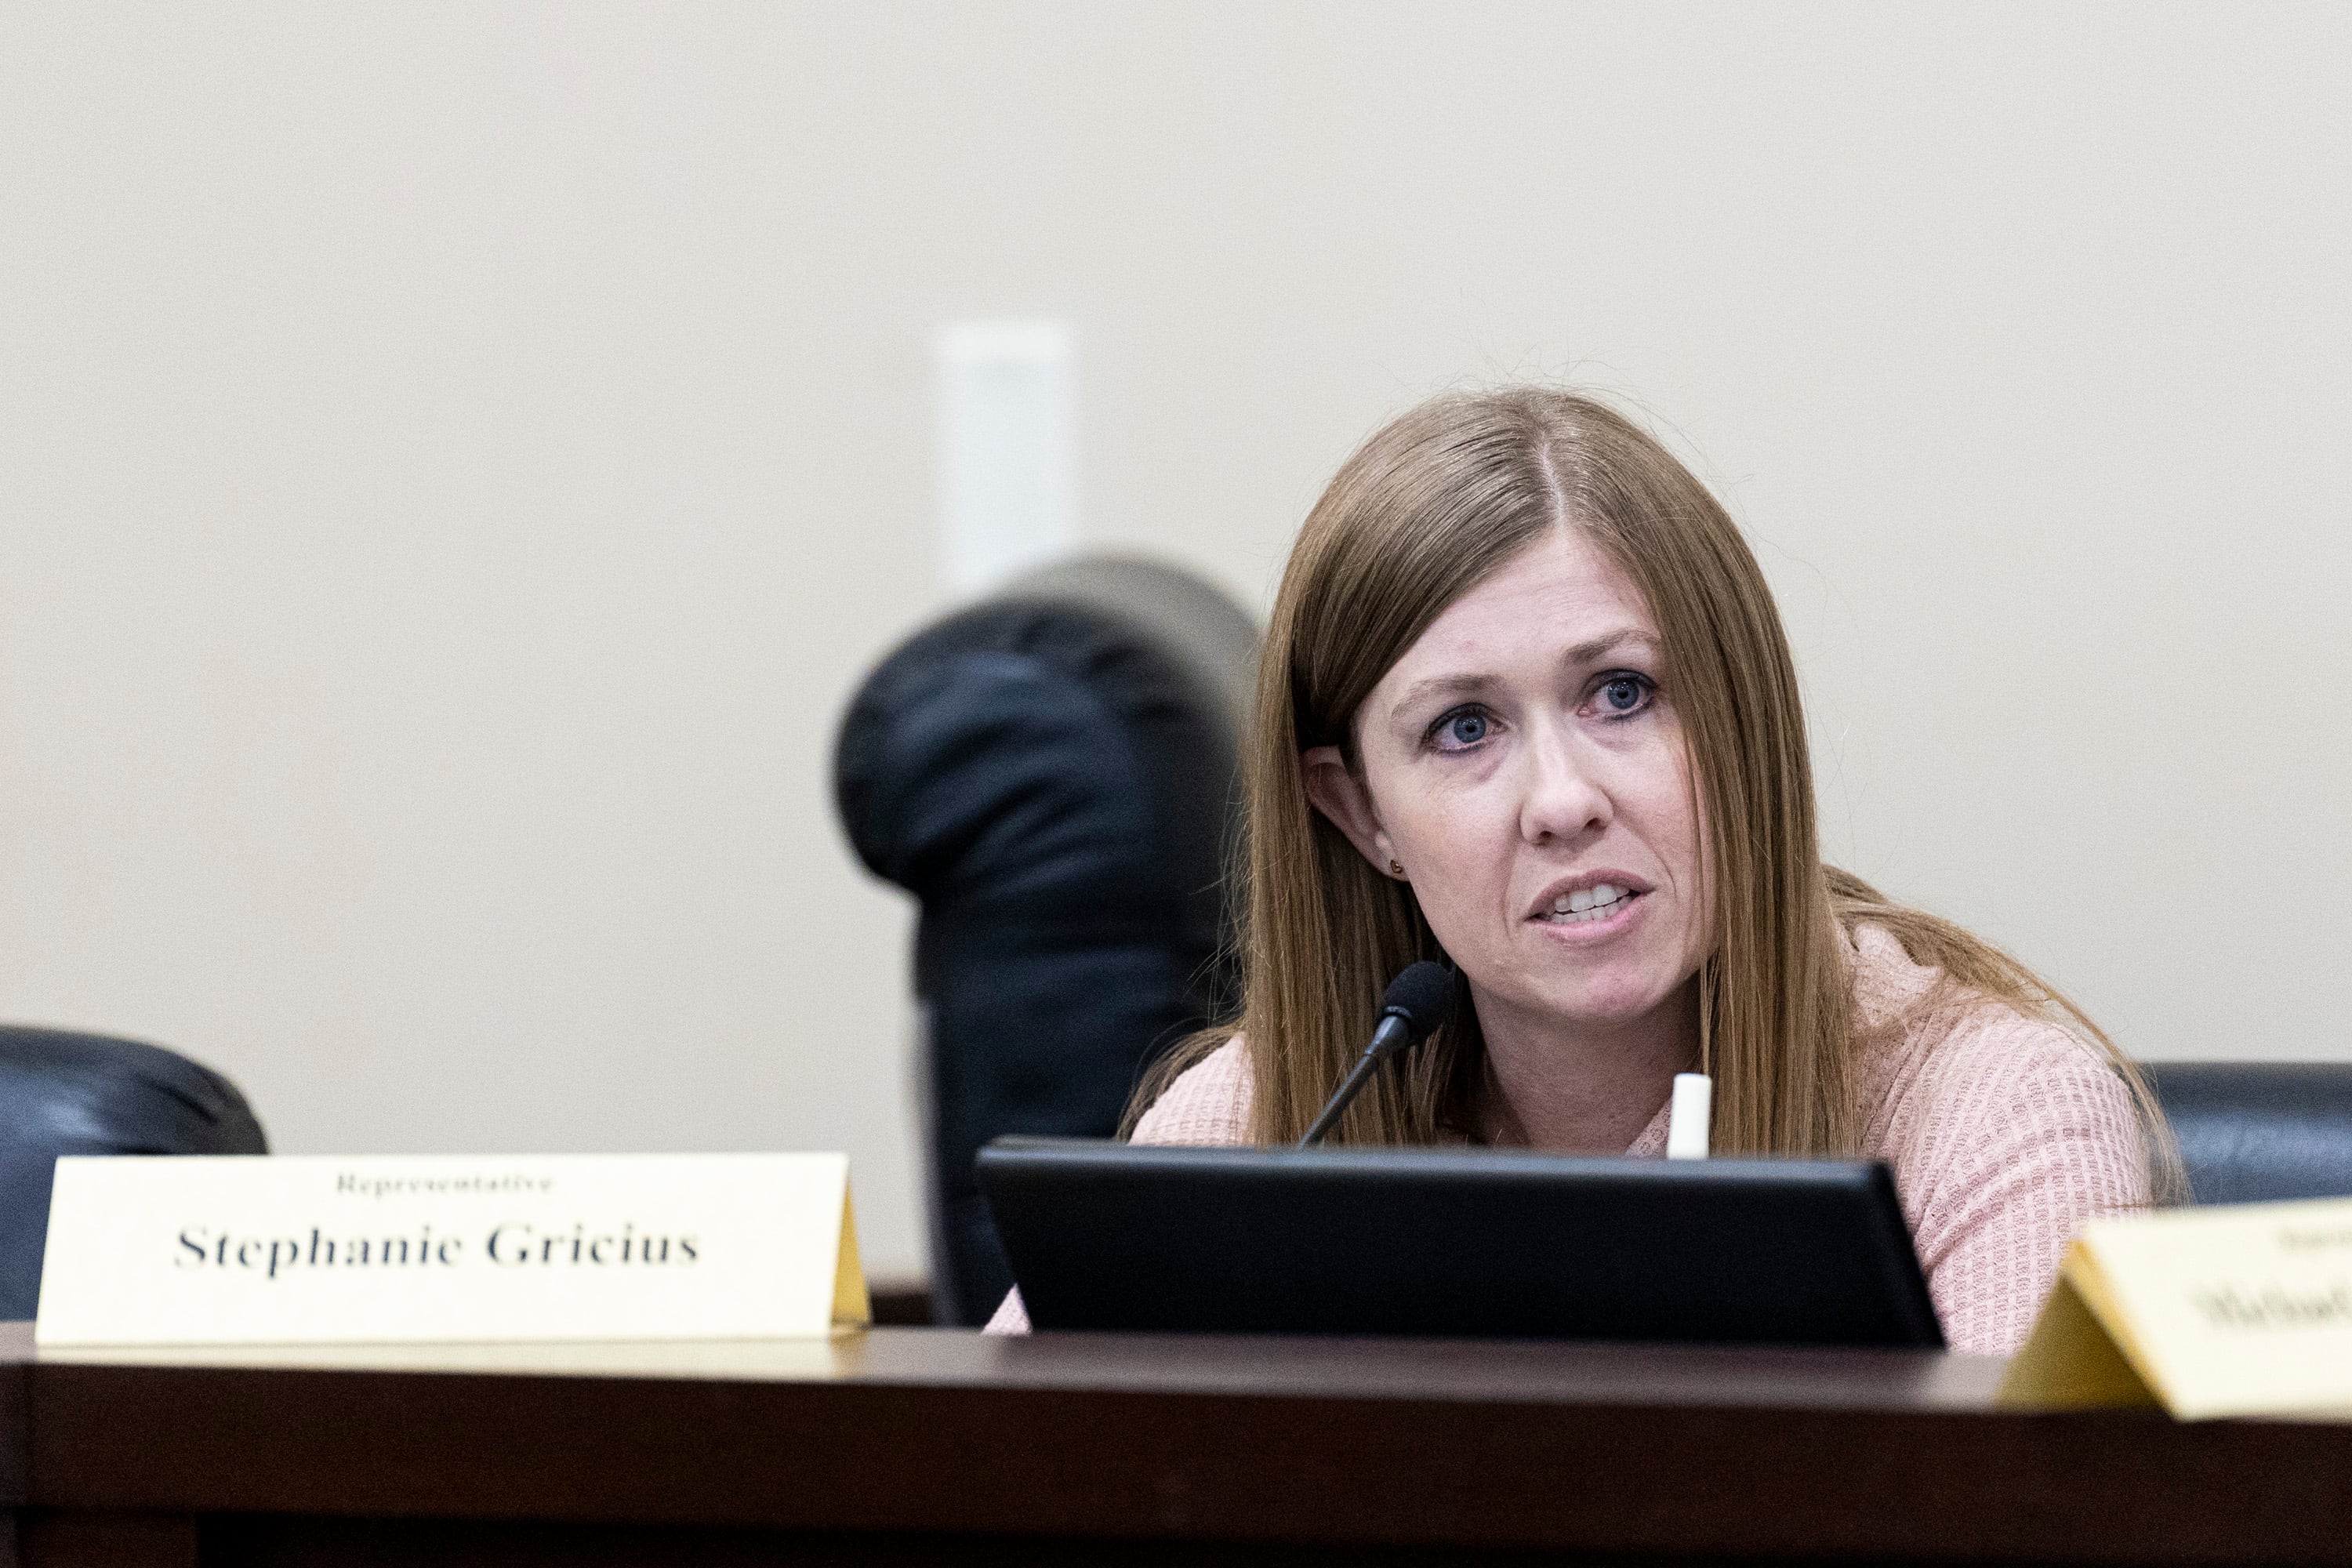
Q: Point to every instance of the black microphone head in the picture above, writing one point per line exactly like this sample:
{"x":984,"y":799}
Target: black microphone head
{"x":1423,"y":996}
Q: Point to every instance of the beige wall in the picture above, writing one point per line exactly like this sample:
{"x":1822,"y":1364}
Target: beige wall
{"x":454,"y":460}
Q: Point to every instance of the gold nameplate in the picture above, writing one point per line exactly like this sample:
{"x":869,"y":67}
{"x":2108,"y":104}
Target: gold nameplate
{"x":261,"y":1249}
{"x":2243,"y":1310}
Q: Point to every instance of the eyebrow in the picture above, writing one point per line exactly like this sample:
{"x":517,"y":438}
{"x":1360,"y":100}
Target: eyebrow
{"x":1592,"y":651}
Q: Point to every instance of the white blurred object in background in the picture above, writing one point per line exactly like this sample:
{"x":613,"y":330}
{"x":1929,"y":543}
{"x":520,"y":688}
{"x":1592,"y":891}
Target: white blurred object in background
{"x":1008,"y":449}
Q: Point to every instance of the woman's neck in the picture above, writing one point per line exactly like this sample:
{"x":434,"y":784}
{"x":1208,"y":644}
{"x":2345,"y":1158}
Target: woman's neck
{"x":1583,"y":1090}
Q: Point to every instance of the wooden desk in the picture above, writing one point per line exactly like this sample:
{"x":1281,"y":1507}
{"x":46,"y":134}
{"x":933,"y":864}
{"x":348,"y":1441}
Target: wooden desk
{"x":920,"y":1447}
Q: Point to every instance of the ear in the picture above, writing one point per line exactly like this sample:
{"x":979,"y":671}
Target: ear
{"x":1341,"y":796}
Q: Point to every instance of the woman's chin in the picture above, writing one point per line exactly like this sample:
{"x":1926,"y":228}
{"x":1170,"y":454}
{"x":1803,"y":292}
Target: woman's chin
{"x":1581,"y":1010}
{"x":1608,"y":1014}
{"x":1612,"y":998}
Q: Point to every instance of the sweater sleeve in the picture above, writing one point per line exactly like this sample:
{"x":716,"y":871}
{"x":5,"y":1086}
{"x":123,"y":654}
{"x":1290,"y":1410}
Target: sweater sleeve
{"x":2027,"y":1133}
{"x":1208,"y":1103}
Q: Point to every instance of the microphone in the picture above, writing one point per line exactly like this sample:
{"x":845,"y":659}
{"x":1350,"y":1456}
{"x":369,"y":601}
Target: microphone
{"x":1415,"y":1002}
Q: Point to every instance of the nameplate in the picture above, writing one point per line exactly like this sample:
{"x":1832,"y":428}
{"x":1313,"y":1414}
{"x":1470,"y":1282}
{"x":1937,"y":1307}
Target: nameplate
{"x":262,"y":1249}
{"x":2243,"y":1310}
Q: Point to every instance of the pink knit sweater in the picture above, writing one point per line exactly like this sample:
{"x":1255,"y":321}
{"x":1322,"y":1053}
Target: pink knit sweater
{"x":2005,"y":1134}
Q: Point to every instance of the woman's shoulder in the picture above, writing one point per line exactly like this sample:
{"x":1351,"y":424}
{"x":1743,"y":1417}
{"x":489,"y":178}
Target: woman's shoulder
{"x":1912,"y":1009}
{"x":2006,"y":1132}
{"x":1945,"y":1054}
{"x":1208,"y":1103}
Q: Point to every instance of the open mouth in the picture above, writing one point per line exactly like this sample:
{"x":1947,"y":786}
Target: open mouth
{"x":1585,"y":905}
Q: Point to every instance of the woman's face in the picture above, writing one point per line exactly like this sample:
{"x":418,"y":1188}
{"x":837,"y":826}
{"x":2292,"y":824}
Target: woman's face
{"x":1523,"y":764}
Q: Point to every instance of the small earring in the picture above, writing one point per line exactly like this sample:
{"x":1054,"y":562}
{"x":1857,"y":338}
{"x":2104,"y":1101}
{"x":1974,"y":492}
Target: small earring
{"x":1395,"y":870}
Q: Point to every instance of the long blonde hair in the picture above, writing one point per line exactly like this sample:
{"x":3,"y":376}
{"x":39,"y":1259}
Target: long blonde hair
{"x":1427,"y":508}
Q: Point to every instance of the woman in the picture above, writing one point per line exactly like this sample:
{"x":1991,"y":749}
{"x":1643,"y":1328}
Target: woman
{"x":1526,"y":705}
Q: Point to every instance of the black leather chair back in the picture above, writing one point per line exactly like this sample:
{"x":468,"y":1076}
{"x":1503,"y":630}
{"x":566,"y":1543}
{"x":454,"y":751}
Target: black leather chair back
{"x":2254,"y":1131}
{"x":67,"y":1094}
{"x":1052,"y":772}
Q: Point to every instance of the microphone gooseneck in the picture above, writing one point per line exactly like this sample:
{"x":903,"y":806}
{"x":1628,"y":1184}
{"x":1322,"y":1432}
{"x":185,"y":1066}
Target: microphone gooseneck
{"x":1416,"y":1001}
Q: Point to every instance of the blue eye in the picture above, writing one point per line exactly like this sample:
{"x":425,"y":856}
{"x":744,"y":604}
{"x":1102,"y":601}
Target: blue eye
{"x":1461,"y":729}
{"x":1624,"y":694}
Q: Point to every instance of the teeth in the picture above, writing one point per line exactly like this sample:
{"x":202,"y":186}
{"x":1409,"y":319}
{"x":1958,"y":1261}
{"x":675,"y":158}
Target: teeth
{"x":1594,"y":903}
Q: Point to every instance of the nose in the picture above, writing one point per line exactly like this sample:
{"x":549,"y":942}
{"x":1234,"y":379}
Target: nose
{"x":1566,"y":801}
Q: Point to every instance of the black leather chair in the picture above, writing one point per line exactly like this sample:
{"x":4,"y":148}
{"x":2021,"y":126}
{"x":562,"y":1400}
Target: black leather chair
{"x":66,"y":1093}
{"x":2254,"y":1131}
{"x":1052,"y":772}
